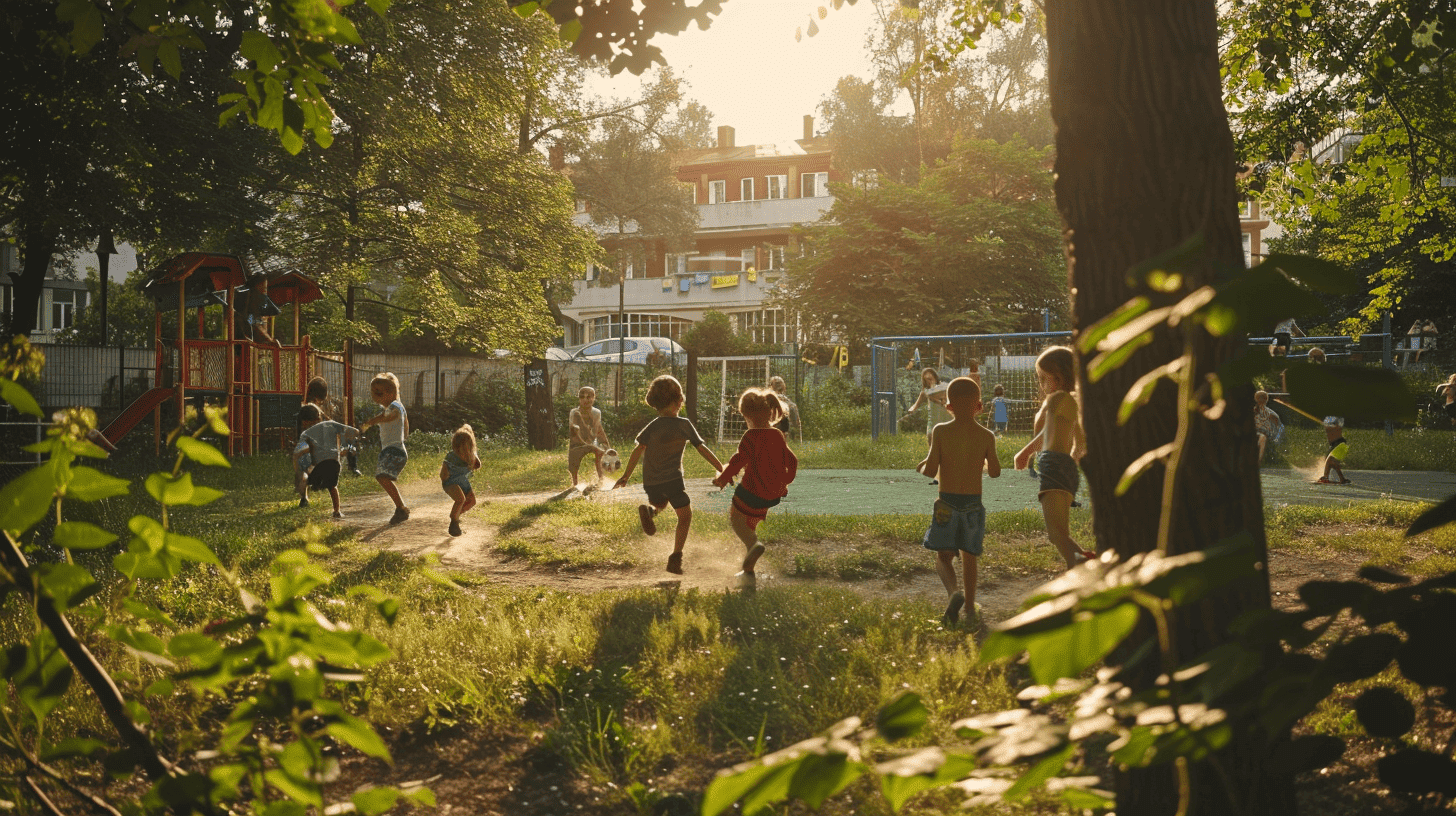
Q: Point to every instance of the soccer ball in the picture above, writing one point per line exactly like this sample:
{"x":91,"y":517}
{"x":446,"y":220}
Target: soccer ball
{"x":611,"y":462}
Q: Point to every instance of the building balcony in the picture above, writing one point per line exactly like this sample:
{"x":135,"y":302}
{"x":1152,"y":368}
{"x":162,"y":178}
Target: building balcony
{"x":740,"y":215}
{"x":688,"y":295}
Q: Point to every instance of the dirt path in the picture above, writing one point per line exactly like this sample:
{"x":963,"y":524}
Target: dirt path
{"x":711,"y":561}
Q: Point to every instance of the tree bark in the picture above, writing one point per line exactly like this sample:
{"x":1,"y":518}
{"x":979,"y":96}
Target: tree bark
{"x":1145,"y":162}
{"x":39,"y":241}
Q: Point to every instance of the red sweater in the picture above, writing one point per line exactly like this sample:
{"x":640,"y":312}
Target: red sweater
{"x":766,"y":461}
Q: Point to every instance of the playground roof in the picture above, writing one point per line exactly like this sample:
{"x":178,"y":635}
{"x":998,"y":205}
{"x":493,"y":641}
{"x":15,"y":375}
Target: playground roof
{"x":223,"y":271}
{"x":292,"y":287}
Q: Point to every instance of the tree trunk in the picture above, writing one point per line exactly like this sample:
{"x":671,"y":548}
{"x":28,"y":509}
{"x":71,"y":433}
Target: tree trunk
{"x":1144,"y":162}
{"x":38,"y":242}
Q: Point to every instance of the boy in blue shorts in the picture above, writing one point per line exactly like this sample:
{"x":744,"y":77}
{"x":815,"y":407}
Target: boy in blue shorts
{"x":393,"y":428}
{"x":660,"y":447}
{"x":959,"y":449}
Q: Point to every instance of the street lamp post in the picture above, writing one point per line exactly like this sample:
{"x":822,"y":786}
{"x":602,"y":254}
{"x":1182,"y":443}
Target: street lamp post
{"x":105,"y":248}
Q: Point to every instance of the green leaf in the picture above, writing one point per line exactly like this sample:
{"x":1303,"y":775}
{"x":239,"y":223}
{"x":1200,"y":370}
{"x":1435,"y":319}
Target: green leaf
{"x":1140,"y":465}
{"x":26,"y":499}
{"x":81,"y":535}
{"x":1068,"y":650}
{"x":90,"y":484}
{"x":923,"y":770}
{"x":1044,"y":769}
{"x":72,"y":747}
{"x":188,"y":548}
{"x":1098,"y":331}
{"x":66,"y":584}
{"x":380,"y":7}
{"x":1317,"y":274}
{"x":819,"y":777}
{"x":1104,"y":364}
{"x":902,"y":717}
{"x":169,"y":490}
{"x":1438,"y":516}
{"x":149,"y":613}
{"x":570,"y":31}
{"x":375,"y":800}
{"x":1352,"y":392}
{"x":201,"y":452}
{"x":358,"y":733}
{"x":15,"y":394}
{"x":302,"y":792}
{"x":1142,"y":390}
{"x":525,"y":10}
{"x":195,"y":646}
{"x":1180,"y":257}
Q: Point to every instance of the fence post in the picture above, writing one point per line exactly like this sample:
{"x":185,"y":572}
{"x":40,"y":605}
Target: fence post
{"x":539,"y":426}
{"x":690,"y":386}
{"x":1386,"y":361}
{"x":438,"y":383}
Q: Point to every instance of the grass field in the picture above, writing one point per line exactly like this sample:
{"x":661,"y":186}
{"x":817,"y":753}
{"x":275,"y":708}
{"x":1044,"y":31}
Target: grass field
{"x":647,"y":691}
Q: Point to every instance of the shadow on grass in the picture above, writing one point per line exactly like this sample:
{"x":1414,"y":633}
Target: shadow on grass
{"x":523,"y":518}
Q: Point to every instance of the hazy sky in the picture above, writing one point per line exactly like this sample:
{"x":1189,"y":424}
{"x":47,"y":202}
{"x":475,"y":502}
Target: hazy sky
{"x":748,"y":70}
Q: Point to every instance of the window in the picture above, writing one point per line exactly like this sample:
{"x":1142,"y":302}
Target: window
{"x":766,"y":326}
{"x":1248,"y":249}
{"x":1246,"y":208}
{"x":750,"y":259}
{"x":814,"y":185}
{"x":777,"y":186}
{"x":865,"y":179}
{"x":638,"y":325}
{"x":774,"y":257}
{"x":581,"y":205}
{"x":745,"y":189}
{"x":65,"y":303}
{"x":717,"y":192}
{"x":674,"y":264}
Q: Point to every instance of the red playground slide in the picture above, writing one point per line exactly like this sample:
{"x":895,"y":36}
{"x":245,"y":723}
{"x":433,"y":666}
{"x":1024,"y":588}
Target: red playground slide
{"x":134,"y":413}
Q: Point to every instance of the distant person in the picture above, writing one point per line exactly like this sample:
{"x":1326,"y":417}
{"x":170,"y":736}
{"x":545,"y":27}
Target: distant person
{"x":1339,"y":450}
{"x":660,"y":448}
{"x":1267,"y":424}
{"x":1449,"y":389}
{"x":587,"y":435}
{"x":1000,"y":413}
{"x":959,"y":449}
{"x":973,"y":371}
{"x":932,"y":393}
{"x":1057,"y":445}
{"x":455,"y":471}
{"x":1317,"y":355}
{"x":789,"y":421}
{"x":320,"y":437}
{"x":768,"y":467}
{"x":1283,"y":335}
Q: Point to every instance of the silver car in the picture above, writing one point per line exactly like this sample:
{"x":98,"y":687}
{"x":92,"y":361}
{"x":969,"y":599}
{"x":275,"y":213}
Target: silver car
{"x":631,"y":350}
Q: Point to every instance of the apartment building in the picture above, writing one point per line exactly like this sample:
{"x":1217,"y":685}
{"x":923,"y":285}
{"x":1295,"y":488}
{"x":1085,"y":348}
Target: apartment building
{"x":749,"y":199}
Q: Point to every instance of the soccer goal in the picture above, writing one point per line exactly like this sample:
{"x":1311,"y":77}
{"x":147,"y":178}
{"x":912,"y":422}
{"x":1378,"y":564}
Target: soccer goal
{"x":1007,"y":360}
{"x":722,"y":379}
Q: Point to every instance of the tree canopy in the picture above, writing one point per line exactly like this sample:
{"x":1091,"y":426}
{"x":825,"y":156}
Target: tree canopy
{"x":974,"y":247}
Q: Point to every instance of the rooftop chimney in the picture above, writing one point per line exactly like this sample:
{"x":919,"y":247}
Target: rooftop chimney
{"x":808,"y":127}
{"x":725,"y":136}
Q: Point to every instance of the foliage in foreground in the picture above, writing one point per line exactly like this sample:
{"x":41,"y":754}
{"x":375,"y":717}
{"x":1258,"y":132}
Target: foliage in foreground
{"x":268,"y":750}
{"x":1257,"y":684}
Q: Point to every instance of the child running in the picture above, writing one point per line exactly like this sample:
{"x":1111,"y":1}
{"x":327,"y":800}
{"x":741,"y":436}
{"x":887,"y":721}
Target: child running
{"x":317,"y":393}
{"x":587,"y":434}
{"x":393,"y":428}
{"x":768,"y":467}
{"x":1339,"y":449}
{"x":959,"y":449}
{"x":1267,"y":424}
{"x":1057,"y":445}
{"x":460,"y":462}
{"x":320,"y":437}
{"x":1000,"y":415}
{"x":660,"y":447}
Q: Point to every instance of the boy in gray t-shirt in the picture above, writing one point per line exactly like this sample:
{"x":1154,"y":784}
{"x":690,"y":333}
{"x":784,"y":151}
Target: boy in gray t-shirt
{"x":660,"y":448}
{"x":322,"y":438}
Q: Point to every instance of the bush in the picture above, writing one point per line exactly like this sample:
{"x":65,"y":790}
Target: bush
{"x":835,"y":407}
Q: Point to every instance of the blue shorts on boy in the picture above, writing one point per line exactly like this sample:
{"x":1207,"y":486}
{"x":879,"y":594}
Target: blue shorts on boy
{"x":391,"y":462}
{"x":958,"y":523}
{"x":392,"y":455}
{"x":458,"y":473}
{"x":1058,"y":472}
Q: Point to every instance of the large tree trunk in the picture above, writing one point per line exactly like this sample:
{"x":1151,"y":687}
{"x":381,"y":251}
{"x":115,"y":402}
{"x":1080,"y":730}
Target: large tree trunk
{"x":1144,"y":162}
{"x":38,"y":246}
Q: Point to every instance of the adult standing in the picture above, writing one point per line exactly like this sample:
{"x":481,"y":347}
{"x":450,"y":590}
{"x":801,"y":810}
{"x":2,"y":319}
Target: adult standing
{"x":932,"y":393}
{"x":790,"y":419}
{"x":1449,"y":389}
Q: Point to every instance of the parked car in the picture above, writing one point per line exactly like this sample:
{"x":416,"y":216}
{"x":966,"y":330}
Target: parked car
{"x":631,"y":350}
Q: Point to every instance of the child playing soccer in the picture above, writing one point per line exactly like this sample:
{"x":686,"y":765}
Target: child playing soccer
{"x":321,"y":467}
{"x":1267,"y":423}
{"x":587,"y":434}
{"x":393,"y":428}
{"x":1057,"y":445}
{"x":317,"y":393}
{"x":768,"y":467}
{"x":1000,"y":415}
{"x":660,"y":447}
{"x":459,"y":463}
{"x":1339,"y":449}
{"x":959,"y":449}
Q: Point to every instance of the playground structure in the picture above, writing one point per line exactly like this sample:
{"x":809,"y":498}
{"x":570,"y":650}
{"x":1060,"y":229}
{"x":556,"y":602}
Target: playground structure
{"x":234,"y":363}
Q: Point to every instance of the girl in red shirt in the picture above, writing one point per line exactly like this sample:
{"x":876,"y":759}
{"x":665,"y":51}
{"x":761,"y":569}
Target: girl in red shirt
{"x":768,"y":467}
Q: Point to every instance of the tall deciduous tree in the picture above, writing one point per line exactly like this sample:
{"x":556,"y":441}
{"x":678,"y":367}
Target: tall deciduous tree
{"x":973,"y":248}
{"x":425,"y":196}
{"x":1143,"y":166}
